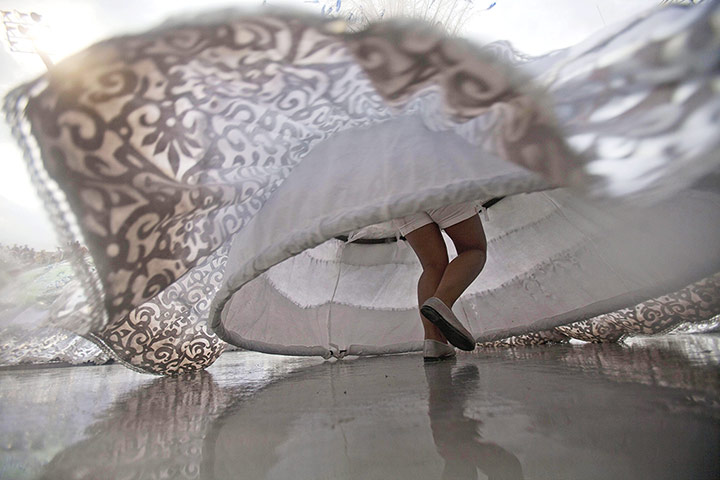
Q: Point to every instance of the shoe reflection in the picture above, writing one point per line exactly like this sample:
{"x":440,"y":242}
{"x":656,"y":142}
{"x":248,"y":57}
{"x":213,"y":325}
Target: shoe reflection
{"x":457,"y":437}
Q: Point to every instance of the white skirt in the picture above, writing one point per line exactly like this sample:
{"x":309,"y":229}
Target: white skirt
{"x":210,"y":165}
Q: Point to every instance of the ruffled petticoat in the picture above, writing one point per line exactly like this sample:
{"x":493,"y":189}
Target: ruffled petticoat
{"x":209,"y":166}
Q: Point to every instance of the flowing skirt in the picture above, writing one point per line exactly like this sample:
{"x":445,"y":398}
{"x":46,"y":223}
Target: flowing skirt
{"x":215,"y":167}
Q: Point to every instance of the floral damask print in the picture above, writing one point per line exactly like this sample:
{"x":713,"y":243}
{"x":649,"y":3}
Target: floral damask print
{"x":171,"y":141}
{"x":695,"y":303}
{"x":155,"y":150}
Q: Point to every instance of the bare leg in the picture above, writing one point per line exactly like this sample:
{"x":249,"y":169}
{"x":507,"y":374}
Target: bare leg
{"x":429,"y":246}
{"x":469,"y":239}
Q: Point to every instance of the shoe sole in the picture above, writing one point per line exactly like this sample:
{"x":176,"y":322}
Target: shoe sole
{"x":438,"y":359}
{"x":453,"y":335}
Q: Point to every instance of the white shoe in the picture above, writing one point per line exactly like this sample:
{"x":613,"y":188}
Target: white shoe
{"x":443,"y":317}
{"x":434,"y":350}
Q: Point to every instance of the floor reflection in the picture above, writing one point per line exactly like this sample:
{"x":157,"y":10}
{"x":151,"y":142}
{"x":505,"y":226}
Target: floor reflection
{"x":689,"y":362}
{"x":457,"y":436}
{"x":648,"y":410}
{"x":156,"y":432}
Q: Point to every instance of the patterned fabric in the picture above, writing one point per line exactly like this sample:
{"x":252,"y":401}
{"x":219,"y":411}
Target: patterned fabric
{"x":167,"y":334}
{"x":536,"y":338}
{"x":27,"y":335}
{"x":49,"y":345}
{"x":155,"y":150}
{"x":695,"y":304}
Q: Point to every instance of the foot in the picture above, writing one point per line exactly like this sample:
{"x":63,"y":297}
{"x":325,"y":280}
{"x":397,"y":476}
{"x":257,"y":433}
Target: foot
{"x":434,"y":350}
{"x":443,"y":317}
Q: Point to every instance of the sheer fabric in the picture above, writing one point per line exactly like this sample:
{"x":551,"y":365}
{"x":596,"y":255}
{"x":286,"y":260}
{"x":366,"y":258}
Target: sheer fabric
{"x":209,"y":164}
{"x":27,"y":334}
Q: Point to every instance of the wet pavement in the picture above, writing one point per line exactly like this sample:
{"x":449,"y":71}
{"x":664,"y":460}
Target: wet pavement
{"x":650,"y":409}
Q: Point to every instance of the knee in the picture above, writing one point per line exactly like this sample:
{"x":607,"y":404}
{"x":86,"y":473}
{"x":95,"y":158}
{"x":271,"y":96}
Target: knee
{"x":435,"y":267}
{"x":476,"y":256}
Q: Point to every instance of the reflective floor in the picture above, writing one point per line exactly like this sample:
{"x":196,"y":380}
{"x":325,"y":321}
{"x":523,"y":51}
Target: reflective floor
{"x":647,"y":410}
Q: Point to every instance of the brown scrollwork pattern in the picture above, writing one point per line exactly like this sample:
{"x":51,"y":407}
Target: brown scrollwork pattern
{"x":165,"y":144}
{"x":155,"y":149}
{"x":696,"y":303}
{"x":476,"y":84}
{"x":167,"y":334}
{"x":537,"y":338}
{"x":171,"y":141}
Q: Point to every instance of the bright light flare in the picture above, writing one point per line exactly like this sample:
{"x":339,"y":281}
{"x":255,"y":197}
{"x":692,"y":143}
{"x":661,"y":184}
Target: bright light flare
{"x":23,"y":29}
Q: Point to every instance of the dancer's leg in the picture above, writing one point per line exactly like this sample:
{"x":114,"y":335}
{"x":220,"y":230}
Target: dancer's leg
{"x":469,"y":239}
{"x":429,"y":246}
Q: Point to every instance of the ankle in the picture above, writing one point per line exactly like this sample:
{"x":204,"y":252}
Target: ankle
{"x":448,"y":301}
{"x":444,"y":342}
{"x":438,"y":337}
